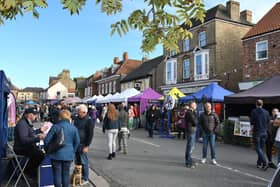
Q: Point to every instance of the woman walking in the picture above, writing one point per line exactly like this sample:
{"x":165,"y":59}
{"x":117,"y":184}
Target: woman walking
{"x":130,"y":117}
{"x":111,"y":124}
{"x":62,"y":158}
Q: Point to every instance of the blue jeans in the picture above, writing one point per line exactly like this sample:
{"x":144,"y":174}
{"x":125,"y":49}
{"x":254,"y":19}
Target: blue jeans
{"x":209,"y":138}
{"x":136,"y":122}
{"x":259,"y":141}
{"x":61,"y":173}
{"x":189,"y":148}
{"x":277,"y":144}
{"x":82,"y":159}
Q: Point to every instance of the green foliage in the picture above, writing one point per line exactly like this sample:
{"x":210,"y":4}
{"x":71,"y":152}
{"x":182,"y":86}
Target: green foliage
{"x":158,"y":25}
{"x":229,"y":138}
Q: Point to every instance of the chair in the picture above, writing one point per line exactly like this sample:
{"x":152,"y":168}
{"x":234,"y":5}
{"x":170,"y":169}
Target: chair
{"x":19,"y":163}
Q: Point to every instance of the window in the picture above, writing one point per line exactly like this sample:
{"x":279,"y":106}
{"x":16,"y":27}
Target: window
{"x":171,"y":71}
{"x":114,"y":86}
{"x":172,"y":53}
{"x":201,"y":66}
{"x":202,"y":39}
{"x":110,"y":87}
{"x":187,"y":45}
{"x":103,"y":86}
{"x":106,"y":88}
{"x":261,"y":50}
{"x":186,"y":73}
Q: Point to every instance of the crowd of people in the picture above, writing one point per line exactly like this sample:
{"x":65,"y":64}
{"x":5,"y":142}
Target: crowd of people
{"x":118,"y":121}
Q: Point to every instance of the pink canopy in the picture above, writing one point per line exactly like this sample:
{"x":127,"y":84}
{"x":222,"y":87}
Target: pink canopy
{"x":144,"y":97}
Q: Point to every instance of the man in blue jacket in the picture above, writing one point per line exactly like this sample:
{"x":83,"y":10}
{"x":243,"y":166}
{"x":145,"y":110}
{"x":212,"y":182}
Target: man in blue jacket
{"x":259,"y":121}
{"x":26,"y":138}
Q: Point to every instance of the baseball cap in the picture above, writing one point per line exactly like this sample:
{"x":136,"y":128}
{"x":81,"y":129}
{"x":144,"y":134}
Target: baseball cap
{"x":31,"y":110}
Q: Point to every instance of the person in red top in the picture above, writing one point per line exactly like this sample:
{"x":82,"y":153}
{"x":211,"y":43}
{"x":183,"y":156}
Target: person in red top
{"x":136,"y":120}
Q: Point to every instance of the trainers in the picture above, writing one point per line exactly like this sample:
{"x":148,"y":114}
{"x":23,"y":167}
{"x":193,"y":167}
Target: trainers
{"x":203,"y":161}
{"x":84,"y":182}
{"x":259,"y":166}
{"x":113,"y":154}
{"x":272,"y":165}
{"x":191,"y":166}
{"x":265,"y":167}
{"x":214,"y":162}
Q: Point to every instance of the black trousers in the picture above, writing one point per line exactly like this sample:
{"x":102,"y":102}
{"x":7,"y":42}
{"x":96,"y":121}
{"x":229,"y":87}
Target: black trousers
{"x":268,"y":146}
{"x":35,"y":155}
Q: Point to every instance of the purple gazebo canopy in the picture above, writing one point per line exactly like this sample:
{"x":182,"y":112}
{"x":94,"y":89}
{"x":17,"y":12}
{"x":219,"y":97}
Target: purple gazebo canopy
{"x":144,"y":98}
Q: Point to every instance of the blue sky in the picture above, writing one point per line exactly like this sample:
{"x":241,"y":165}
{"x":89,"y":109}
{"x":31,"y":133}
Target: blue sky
{"x":31,"y":49}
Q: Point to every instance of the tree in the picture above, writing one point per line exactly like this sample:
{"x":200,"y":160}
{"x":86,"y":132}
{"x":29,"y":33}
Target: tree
{"x":157,"y":25}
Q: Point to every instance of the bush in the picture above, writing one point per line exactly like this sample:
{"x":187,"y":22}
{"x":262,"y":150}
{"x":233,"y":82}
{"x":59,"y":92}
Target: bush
{"x":230,"y":138}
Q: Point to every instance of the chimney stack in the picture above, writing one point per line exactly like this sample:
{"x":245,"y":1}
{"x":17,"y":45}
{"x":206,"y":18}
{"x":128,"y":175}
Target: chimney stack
{"x":233,"y":8}
{"x":246,"y":15}
{"x":125,"y":56}
{"x":116,"y":60}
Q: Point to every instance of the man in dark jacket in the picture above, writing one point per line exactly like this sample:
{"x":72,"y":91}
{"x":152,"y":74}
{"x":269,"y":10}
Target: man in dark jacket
{"x":26,"y":138}
{"x":190,"y":128}
{"x":259,"y":121}
{"x":209,"y":121}
{"x":271,"y":133}
{"x":85,"y":126}
{"x":152,"y":117}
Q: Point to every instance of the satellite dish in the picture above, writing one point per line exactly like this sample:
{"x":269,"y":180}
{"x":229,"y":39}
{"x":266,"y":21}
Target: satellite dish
{"x":169,"y":102}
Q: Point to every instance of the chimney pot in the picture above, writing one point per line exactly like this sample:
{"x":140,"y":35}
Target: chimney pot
{"x":125,"y":56}
{"x":246,"y":15}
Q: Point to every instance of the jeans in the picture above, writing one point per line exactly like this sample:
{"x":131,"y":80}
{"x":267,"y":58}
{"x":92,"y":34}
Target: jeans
{"x":151,"y":128}
{"x":209,"y":138}
{"x":259,"y":143}
{"x":82,"y":159}
{"x":61,"y":172}
{"x":136,"y":122}
{"x":277,"y":144}
{"x":189,"y":148}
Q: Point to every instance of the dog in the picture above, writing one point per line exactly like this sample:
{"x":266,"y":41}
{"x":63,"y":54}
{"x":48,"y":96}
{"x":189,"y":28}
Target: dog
{"x":76,"y":177}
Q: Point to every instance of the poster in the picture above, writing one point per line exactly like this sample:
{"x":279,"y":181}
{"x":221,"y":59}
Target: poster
{"x":241,"y":128}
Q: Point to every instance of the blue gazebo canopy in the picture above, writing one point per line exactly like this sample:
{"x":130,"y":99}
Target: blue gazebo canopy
{"x":212,"y":93}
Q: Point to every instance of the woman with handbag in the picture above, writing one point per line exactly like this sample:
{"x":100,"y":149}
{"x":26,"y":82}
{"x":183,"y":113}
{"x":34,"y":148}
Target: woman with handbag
{"x":61,"y":159}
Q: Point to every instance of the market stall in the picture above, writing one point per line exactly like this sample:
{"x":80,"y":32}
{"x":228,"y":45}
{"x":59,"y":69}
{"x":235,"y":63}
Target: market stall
{"x":144,"y":98}
{"x":4,"y":91}
{"x":124,"y":95}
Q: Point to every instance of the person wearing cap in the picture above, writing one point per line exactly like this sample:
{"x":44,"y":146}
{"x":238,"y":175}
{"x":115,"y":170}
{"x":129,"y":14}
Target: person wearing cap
{"x":26,"y":138}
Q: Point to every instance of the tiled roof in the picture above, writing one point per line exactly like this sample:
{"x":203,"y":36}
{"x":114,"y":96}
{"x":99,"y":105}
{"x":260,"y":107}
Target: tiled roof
{"x":144,"y":69}
{"x":220,"y":12}
{"x":269,"y":22}
{"x":128,"y":66}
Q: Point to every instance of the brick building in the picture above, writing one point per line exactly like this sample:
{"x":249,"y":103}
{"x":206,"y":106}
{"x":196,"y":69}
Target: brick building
{"x":213,"y":54}
{"x":261,"y":49}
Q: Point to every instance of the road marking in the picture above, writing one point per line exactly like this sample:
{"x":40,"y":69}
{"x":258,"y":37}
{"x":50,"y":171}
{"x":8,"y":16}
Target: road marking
{"x":138,"y":140}
{"x":240,"y":172}
{"x":218,"y":165}
{"x":145,"y":142}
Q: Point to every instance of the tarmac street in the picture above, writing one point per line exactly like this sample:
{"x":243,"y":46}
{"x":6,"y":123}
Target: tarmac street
{"x":159,"y":162}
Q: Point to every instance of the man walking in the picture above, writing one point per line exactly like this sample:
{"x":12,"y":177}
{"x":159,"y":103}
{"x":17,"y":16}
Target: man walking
{"x":190,"y":128}
{"x":209,"y":121}
{"x":85,"y":126}
{"x":259,"y":121}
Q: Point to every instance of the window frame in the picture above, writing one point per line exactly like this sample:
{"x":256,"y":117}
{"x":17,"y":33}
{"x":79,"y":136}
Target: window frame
{"x":204,"y":66}
{"x":184,"y":67}
{"x":185,"y":46}
{"x":173,"y":71}
{"x":199,"y":39}
{"x":260,"y":42}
